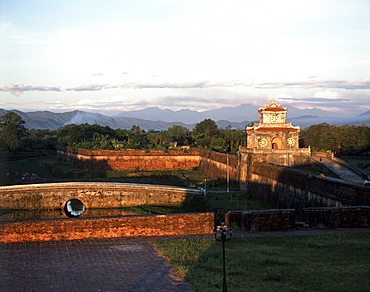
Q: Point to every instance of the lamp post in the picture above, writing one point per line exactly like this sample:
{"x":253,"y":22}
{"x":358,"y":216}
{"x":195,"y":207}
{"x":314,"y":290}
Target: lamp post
{"x":222,"y":234}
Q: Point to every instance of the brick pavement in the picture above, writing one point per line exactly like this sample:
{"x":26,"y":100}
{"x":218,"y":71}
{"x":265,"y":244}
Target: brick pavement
{"x":107,"y":264}
{"x":113,"y":264}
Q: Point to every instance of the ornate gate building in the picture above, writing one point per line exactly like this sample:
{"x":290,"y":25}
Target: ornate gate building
{"x":272,"y":140}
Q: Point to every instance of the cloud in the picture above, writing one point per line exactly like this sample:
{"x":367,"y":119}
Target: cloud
{"x":106,"y":101}
{"x":187,"y":85}
{"x":363,"y":83}
{"x":18,"y":89}
{"x":327,"y":94}
{"x":89,"y":87}
{"x":281,"y":96}
{"x":342,"y":84}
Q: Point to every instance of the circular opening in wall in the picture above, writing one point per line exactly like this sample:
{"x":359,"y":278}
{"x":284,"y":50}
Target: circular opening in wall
{"x":74,"y":208}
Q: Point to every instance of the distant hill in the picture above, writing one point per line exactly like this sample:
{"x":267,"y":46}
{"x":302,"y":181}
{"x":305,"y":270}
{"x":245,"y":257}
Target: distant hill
{"x":244,"y":112}
{"x":158,"y":119}
{"x":43,"y":119}
{"x":306,"y":121}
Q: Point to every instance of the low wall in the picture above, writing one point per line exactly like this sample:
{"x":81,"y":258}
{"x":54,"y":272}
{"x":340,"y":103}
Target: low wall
{"x":92,"y":195}
{"x":261,"y":220}
{"x":121,"y":226}
{"x":345,"y":217}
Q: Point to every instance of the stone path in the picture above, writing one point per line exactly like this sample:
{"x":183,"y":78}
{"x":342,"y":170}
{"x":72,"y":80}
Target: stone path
{"x":109,"y":264}
{"x":343,"y":172}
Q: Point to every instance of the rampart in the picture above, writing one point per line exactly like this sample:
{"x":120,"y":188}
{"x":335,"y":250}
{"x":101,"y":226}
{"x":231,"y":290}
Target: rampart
{"x":288,"y":188}
{"x":283,"y":187}
{"x":335,"y":159}
{"x":104,"y":227}
{"x":92,"y":195}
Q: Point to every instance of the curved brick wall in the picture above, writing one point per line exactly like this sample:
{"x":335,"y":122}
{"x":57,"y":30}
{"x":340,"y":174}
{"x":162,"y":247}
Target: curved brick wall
{"x":93,"y":195}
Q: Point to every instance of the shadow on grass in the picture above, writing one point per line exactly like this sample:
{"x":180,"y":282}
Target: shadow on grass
{"x":336,"y":262}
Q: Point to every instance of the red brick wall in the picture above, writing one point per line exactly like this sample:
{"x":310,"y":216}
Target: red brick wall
{"x":122,"y":226}
{"x":214,"y":164}
{"x":92,"y":195}
{"x":219,"y":165}
{"x":132,"y":159}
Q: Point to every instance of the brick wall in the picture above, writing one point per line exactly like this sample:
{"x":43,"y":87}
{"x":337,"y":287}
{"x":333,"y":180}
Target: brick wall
{"x":132,"y":159}
{"x":92,"y":195}
{"x":261,"y":220}
{"x":219,"y":165}
{"x":214,"y":164}
{"x":345,"y":217}
{"x":120,"y":226}
{"x":289,"y":188}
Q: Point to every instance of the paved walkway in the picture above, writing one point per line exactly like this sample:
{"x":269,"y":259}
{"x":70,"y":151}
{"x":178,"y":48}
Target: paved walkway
{"x":343,"y":172}
{"x":114,"y":264}
{"x":111,"y":264}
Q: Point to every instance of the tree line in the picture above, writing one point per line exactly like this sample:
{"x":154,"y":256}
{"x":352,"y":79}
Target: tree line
{"x":205,"y":135}
{"x":16,"y":138}
{"x":342,"y":140}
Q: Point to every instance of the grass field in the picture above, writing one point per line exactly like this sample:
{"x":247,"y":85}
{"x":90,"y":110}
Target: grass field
{"x":221,"y":201}
{"x":31,"y":165}
{"x":337,"y":262}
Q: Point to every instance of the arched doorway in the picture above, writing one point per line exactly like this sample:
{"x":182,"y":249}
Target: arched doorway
{"x":277,"y":143}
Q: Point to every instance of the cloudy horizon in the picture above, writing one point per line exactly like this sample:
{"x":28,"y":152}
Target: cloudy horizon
{"x":116,"y":56}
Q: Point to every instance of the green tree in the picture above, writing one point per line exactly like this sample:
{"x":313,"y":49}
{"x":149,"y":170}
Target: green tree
{"x":71,"y":135}
{"x":12,"y":130}
{"x":234,"y":139}
{"x":159,"y":140}
{"x":179,"y":135}
{"x":218,"y":144}
{"x":39,"y":140}
{"x":339,"y":139}
{"x":206,"y":126}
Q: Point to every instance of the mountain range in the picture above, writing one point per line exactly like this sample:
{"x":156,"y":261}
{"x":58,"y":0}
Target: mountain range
{"x":158,"y":119}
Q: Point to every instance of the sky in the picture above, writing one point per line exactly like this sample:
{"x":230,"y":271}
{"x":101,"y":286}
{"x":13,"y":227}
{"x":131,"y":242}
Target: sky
{"x":121,"y":55}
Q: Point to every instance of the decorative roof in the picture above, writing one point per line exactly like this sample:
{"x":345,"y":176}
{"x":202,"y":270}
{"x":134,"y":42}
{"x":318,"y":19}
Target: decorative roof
{"x":272,"y":107}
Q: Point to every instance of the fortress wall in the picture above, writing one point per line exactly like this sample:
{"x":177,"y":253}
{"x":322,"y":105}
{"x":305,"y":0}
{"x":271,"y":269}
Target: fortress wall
{"x":105,"y":227}
{"x":214,"y":164}
{"x":219,"y":165}
{"x":289,"y":188}
{"x":132,"y":159}
{"x":54,"y":196}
